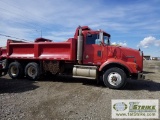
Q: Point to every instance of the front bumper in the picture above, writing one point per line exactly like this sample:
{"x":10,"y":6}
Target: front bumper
{"x":141,"y":76}
{"x":138,"y":76}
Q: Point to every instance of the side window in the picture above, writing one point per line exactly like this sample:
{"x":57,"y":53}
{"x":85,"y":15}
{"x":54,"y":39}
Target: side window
{"x":93,"y":39}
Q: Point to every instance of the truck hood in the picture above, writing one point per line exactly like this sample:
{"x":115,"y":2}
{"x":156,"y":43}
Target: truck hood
{"x":127,"y":55}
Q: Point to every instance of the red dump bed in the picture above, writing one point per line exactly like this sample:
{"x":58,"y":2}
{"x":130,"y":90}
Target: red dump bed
{"x":41,"y":49}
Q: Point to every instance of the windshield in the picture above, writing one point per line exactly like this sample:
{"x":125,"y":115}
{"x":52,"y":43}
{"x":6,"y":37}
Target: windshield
{"x":106,"y":40}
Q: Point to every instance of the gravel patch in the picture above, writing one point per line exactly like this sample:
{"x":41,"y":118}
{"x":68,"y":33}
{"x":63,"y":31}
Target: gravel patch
{"x":68,"y":98}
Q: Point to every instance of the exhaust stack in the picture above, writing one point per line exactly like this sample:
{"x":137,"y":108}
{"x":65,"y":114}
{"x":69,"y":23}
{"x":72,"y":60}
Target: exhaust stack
{"x":80,"y":46}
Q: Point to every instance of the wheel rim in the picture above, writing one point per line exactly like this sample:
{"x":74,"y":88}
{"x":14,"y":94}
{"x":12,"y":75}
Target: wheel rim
{"x":14,"y":70}
{"x":114,"y":78}
{"x":31,"y":71}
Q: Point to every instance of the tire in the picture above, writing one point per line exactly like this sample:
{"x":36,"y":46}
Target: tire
{"x":5,"y":64}
{"x":32,"y":71}
{"x":15,"y":70}
{"x":114,"y":78}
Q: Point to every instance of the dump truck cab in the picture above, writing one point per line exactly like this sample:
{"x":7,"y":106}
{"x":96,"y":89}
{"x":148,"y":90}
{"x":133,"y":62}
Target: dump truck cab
{"x":95,"y":43}
{"x":97,"y":51}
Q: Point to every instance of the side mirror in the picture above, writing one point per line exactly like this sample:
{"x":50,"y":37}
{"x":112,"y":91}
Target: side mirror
{"x":109,"y":42}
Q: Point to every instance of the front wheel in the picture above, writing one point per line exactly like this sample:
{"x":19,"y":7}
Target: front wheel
{"x":114,"y":78}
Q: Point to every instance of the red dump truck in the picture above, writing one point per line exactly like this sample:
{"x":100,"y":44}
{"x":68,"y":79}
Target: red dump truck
{"x":88,"y":54}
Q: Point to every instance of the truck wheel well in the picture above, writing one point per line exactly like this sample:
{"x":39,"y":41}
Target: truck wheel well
{"x":118,"y":66}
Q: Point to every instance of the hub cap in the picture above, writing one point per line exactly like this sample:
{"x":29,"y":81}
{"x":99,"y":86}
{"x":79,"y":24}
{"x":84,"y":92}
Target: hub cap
{"x":31,"y":71}
{"x":14,"y":70}
{"x":114,"y":78}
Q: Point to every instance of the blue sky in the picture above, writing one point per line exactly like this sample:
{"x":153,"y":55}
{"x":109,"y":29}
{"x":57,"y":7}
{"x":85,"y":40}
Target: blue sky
{"x":131,"y":23}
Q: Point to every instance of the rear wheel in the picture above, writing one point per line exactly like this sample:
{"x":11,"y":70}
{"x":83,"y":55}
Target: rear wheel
{"x":15,"y":70}
{"x":114,"y":78}
{"x":32,"y":71}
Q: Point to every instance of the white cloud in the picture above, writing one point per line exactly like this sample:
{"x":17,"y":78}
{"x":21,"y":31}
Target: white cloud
{"x":123,"y":44}
{"x":3,"y":41}
{"x":157,"y":43}
{"x":60,"y":12}
{"x":120,"y":43}
{"x":149,"y":41}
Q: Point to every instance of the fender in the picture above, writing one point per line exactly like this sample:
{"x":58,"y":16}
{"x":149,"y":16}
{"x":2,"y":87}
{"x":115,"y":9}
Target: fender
{"x":120,"y":62}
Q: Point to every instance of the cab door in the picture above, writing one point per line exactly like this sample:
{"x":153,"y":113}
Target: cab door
{"x":92,"y":50}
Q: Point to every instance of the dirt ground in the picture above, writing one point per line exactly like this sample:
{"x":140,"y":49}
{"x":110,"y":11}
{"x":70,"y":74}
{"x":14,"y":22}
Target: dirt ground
{"x":69,"y":98}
